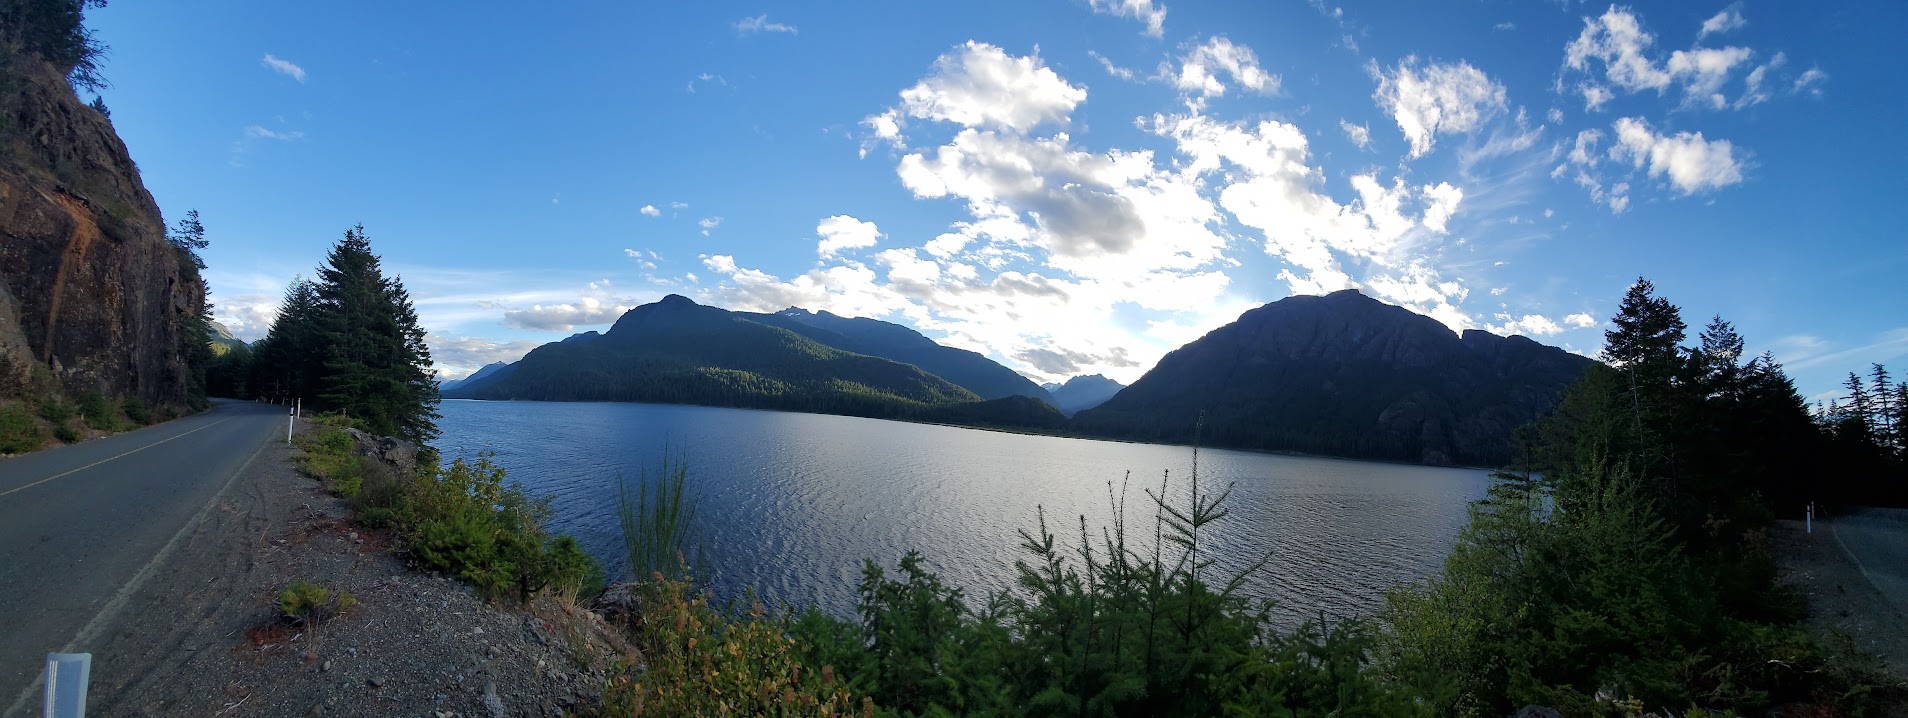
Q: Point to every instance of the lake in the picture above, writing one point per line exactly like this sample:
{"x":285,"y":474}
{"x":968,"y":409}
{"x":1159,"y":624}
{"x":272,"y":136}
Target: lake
{"x":791,"y":504}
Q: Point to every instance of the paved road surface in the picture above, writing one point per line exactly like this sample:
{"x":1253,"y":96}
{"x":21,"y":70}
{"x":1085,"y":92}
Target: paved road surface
{"x":1878,"y":541}
{"x":80,"y":524}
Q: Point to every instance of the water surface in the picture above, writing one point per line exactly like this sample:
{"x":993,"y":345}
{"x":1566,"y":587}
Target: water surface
{"x":792,"y":503}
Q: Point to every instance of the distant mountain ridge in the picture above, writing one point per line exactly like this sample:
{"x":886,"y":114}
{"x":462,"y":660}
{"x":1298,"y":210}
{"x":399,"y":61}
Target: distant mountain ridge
{"x":970,"y":370}
{"x":486,"y":371}
{"x":1344,"y":375}
{"x":1083,"y":392}
{"x":678,"y":351}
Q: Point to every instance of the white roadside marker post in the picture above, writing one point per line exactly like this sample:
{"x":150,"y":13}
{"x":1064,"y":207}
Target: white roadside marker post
{"x":291,"y":417}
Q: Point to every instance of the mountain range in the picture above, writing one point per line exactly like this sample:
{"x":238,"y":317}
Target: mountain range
{"x":1082,"y":392}
{"x":1341,"y":374}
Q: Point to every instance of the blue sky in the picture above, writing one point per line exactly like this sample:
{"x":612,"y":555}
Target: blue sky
{"x":1072,"y":186}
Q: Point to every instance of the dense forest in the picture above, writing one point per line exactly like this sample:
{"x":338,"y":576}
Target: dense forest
{"x":347,"y":342}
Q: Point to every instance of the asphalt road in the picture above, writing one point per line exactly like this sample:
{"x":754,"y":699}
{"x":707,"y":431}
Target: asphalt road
{"x":1878,"y":541}
{"x":81,"y":525}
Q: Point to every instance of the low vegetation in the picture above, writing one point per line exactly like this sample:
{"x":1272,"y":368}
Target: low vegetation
{"x":463,"y":519}
{"x":19,"y":433}
{"x":311,"y":604}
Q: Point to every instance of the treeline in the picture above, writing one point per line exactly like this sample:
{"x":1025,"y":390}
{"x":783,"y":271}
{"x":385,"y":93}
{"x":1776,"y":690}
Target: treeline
{"x":1620,"y":568}
{"x":1866,"y":436}
{"x":347,"y":342}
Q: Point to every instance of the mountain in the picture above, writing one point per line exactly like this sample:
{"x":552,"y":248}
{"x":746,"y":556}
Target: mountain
{"x":1083,"y":392}
{"x":487,"y":371}
{"x":970,"y":370}
{"x":222,"y":339}
{"x":92,"y":296}
{"x":677,"y":351}
{"x":1346,"y":375}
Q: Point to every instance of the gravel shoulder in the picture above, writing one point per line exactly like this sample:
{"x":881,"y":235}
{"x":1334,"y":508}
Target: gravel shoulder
{"x":204,"y":637}
{"x":1845,"y":607}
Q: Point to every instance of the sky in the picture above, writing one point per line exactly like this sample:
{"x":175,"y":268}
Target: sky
{"x":1069,"y":186}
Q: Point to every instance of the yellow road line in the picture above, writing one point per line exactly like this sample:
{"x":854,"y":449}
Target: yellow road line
{"x":121,"y":456}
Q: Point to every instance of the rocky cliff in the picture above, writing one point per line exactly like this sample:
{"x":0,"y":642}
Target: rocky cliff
{"x":92,"y":297}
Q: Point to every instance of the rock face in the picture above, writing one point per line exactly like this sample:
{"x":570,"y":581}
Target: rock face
{"x":89,"y":288}
{"x":396,"y":455}
{"x":1344,"y":375}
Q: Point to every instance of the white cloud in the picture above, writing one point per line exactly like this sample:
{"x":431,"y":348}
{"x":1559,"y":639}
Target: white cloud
{"x":1528,"y":324}
{"x":649,"y":210}
{"x":1149,"y":13}
{"x":1692,"y":163}
{"x":247,"y":316}
{"x":1555,"y":116}
{"x":708,"y":223}
{"x":1729,"y":19}
{"x":1504,"y":26}
{"x":1437,"y":100}
{"x":255,"y":131}
{"x":1199,"y":69}
{"x":761,"y":23}
{"x":842,"y":232}
{"x":1811,"y":81}
{"x":678,"y":205}
{"x":1112,"y":69}
{"x":1359,"y":135}
{"x":458,"y":357}
{"x":599,"y":305}
{"x":980,"y":85}
{"x":1617,"y":41}
{"x":1581,"y":320}
{"x":284,"y":67}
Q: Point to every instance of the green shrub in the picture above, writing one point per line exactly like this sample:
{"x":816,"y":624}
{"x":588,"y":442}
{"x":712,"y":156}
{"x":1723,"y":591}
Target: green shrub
{"x":659,"y":522}
{"x":136,"y":411}
{"x":66,"y":434}
{"x":98,"y":411}
{"x":56,"y":411}
{"x":19,"y":433}
{"x":312,"y":604}
{"x":472,"y":525}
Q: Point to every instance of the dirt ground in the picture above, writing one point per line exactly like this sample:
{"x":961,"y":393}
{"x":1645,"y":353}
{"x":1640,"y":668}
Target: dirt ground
{"x":1844,"y":606}
{"x":203,"y":638}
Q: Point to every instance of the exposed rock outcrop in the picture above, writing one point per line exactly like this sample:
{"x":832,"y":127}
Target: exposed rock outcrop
{"x":89,"y":288}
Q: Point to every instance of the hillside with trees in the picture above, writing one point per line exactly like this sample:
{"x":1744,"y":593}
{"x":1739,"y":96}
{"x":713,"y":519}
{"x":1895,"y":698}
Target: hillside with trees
{"x":969,"y":370}
{"x":1343,"y":375}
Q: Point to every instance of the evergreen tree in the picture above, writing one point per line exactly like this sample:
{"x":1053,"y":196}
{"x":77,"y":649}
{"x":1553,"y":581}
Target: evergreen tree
{"x":1718,"y":360}
{"x":376,"y":364}
{"x":286,"y":363}
{"x":188,"y":237}
{"x":1881,"y":396}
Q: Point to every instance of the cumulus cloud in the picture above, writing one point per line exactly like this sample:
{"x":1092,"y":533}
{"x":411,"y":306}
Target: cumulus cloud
{"x":1149,"y":13}
{"x":708,"y":224}
{"x":1198,"y":74}
{"x":1537,"y":324}
{"x":649,"y":210}
{"x":284,"y":67}
{"x":761,"y":23}
{"x":842,"y":232}
{"x":458,"y":357}
{"x":1437,"y":100}
{"x":1581,"y":320}
{"x":1359,"y":135}
{"x":1811,"y":81}
{"x":246,"y":316}
{"x":980,"y":85}
{"x":599,"y":305}
{"x":1617,"y":44}
{"x":1691,"y":163}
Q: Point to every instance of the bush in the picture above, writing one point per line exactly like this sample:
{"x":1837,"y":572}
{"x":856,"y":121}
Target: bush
{"x":19,"y":433}
{"x":312,"y":604}
{"x":472,"y":525}
{"x":98,"y":411}
{"x":66,"y":434}
{"x":136,"y":411}
{"x":56,"y":411}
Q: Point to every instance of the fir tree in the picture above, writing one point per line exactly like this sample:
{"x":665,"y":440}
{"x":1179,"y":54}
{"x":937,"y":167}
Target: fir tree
{"x":376,"y":366}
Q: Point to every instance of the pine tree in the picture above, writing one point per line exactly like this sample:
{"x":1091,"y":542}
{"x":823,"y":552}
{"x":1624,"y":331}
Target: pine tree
{"x":1882,"y":398}
{"x":1718,"y":360}
{"x":376,"y":364}
{"x":188,"y":237}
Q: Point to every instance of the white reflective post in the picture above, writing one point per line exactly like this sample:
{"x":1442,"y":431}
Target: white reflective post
{"x":66,"y":678}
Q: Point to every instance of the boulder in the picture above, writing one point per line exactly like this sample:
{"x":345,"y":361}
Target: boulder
{"x":395,"y":454}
